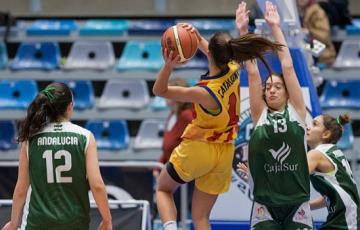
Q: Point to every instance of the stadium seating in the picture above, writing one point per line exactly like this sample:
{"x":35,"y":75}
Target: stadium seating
{"x":145,"y":55}
{"x":347,"y":140}
{"x":210,"y":26}
{"x":149,"y":27}
{"x":17,"y":94}
{"x":83,"y":93}
{"x":51,"y":28}
{"x":90,"y":55}
{"x":37,"y":55}
{"x":7,"y":135}
{"x":150,"y":134}
{"x":3,"y":55}
{"x":341,"y":94}
{"x":348,"y":56}
{"x":109,"y":135}
{"x":159,"y":103}
{"x":104,"y":28}
{"x":120,"y":93}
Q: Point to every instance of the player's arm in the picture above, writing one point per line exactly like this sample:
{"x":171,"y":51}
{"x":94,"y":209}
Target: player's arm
{"x":203,"y":43}
{"x":317,"y":203}
{"x":96,"y":182}
{"x":318,"y":162}
{"x":257,"y":103}
{"x":21,"y":188}
{"x":291,"y":81}
{"x":195,"y":94}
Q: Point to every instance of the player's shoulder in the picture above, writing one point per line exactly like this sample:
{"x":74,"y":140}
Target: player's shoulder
{"x":71,"y":127}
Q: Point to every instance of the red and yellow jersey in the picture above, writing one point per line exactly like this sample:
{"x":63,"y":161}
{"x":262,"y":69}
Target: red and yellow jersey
{"x":221,"y":125}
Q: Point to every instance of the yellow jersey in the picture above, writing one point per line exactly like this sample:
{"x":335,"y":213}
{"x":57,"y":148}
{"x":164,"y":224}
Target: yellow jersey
{"x":221,"y":125}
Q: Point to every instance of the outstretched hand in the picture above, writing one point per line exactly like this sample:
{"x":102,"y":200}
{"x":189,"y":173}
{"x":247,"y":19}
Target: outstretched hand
{"x":242,"y":18}
{"x":272,"y":16}
{"x":243,"y":168}
{"x":192,"y":29}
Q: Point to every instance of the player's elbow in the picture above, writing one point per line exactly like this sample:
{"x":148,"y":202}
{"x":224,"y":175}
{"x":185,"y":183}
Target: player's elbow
{"x":158,"y":92}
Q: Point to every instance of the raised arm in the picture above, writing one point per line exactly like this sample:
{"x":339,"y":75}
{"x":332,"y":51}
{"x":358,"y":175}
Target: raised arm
{"x":203,"y":43}
{"x":21,"y":188}
{"x":97,"y":185}
{"x":257,"y":103}
{"x":195,"y":94}
{"x":292,"y":84}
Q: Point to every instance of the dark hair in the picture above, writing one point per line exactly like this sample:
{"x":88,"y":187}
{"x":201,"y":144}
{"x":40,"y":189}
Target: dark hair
{"x":281,"y":76}
{"x":335,"y":126}
{"x":49,"y":105}
{"x":224,"y":48}
{"x":181,"y":106}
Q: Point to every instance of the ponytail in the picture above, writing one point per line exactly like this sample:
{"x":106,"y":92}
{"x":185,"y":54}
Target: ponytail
{"x":343,"y":119}
{"x":50,"y":105}
{"x":335,"y":126}
{"x":224,"y":48}
{"x":251,"y":46}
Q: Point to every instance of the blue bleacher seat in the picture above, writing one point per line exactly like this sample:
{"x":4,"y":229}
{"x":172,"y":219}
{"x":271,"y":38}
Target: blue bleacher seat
{"x":37,"y":55}
{"x":141,"y":56}
{"x":149,"y":27}
{"x":347,"y":139}
{"x":353,"y":29}
{"x":341,"y":94}
{"x":7,"y":135}
{"x":83,"y":93}
{"x":90,"y":55}
{"x":17,"y":94}
{"x":104,"y":28}
{"x":150,"y":134}
{"x":3,"y":55}
{"x":109,"y":135}
{"x":199,"y":61}
{"x":301,"y":69}
{"x":210,"y":26}
{"x":51,"y":27}
{"x":119,"y":93}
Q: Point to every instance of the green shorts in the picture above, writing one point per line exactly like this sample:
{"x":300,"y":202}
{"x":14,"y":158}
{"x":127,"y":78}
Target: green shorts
{"x":289,"y":217}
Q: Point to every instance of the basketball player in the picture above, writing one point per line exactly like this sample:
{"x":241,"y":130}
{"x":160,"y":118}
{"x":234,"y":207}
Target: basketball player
{"x":206,"y":151}
{"x":331,"y":175}
{"x":277,"y":147}
{"x":57,"y":163}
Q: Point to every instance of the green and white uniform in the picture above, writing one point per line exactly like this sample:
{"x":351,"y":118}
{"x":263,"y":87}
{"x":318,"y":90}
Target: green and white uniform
{"x":279,"y":171}
{"x":339,"y":190}
{"x":58,"y":194}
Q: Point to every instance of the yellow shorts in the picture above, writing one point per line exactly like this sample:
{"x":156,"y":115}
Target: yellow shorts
{"x":210,"y":164}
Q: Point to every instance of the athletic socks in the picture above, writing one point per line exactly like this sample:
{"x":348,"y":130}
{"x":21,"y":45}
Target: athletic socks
{"x":170,"y":225}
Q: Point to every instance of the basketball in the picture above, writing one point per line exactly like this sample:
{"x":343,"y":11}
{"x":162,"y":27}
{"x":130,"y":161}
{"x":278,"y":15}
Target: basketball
{"x":182,"y":42}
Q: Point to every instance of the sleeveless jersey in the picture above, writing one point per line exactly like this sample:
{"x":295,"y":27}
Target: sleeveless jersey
{"x":58,"y":193}
{"x":339,"y":189}
{"x":277,"y":159}
{"x":218,"y":126}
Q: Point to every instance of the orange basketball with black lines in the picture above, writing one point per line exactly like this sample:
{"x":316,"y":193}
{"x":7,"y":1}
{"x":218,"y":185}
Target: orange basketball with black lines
{"x":182,"y":42}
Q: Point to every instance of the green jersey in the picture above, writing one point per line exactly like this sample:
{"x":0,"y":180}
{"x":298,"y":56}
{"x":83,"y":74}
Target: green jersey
{"x":277,"y":159}
{"x":339,"y":190}
{"x":58,"y":193}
